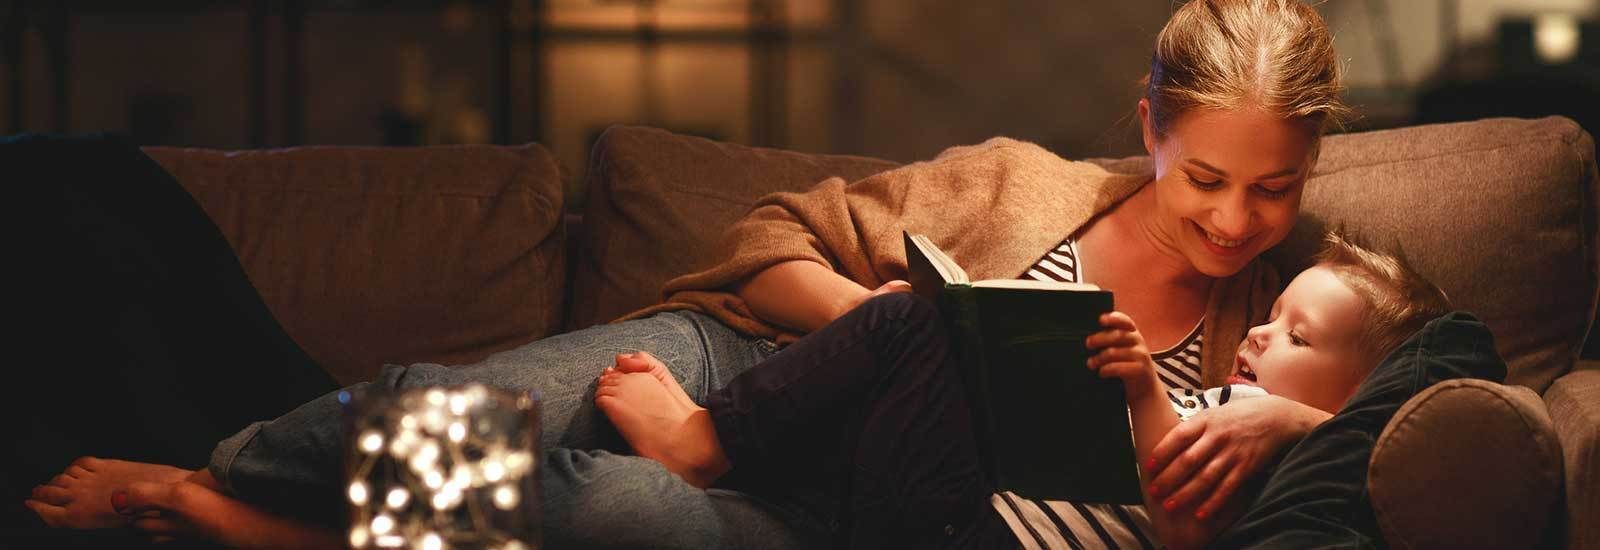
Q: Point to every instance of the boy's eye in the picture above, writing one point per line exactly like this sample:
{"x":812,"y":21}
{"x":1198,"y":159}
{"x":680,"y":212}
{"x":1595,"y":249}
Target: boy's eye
{"x":1297,"y":340}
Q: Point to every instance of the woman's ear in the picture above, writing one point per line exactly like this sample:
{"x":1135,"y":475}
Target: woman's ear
{"x":1145,"y":127}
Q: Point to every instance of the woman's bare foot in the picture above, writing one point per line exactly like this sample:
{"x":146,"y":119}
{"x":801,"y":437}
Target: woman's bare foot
{"x":80,"y":497}
{"x":660,"y":421}
{"x":185,"y":509}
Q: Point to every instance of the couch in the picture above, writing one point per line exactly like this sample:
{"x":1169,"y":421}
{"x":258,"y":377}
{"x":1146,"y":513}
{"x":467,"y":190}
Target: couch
{"x":447,"y":254}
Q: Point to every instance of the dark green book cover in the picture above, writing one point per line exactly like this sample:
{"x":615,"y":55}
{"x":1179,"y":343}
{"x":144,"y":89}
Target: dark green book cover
{"x":1047,"y":427}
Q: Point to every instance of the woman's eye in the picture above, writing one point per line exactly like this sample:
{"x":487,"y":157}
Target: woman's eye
{"x":1272,"y":193}
{"x":1204,"y":185}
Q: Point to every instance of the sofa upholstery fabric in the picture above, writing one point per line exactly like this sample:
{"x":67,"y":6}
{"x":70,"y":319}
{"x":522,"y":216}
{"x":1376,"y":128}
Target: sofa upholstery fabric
{"x":658,"y":202}
{"x":1574,"y":403}
{"x":1504,"y":474}
{"x":374,"y":255}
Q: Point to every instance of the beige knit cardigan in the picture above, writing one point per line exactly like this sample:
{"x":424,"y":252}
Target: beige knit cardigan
{"x":994,"y":207}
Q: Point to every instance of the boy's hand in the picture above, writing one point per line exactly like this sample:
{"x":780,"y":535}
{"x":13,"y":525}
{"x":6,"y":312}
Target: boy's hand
{"x":1123,"y":354}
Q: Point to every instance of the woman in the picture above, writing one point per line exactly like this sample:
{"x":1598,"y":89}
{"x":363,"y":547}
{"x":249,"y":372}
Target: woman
{"x":1238,"y":94}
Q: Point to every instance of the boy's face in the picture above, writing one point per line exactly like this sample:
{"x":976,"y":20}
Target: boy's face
{"x":1309,"y":350}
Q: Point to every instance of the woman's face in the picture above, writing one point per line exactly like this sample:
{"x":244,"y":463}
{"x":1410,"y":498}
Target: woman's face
{"x":1228,"y":183}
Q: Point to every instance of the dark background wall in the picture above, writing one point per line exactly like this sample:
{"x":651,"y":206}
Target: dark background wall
{"x":900,"y":79}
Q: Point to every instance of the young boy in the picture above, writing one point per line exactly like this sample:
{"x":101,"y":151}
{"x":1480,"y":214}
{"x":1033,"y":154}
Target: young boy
{"x":811,"y":419}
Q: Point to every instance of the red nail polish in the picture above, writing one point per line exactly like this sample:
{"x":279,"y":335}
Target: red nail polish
{"x":119,"y":501}
{"x":1150,"y":464}
{"x":1155,"y":491}
{"x":1200,"y":515}
{"x":1171,"y":504}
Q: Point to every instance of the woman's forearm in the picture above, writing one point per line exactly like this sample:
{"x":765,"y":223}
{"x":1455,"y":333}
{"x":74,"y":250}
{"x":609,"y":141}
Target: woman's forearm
{"x":801,"y":295}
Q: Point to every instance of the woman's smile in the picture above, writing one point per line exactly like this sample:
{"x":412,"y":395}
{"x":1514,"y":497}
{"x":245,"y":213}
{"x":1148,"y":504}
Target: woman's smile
{"x":1219,"y":245}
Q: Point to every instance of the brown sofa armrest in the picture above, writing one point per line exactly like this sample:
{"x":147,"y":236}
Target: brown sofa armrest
{"x":1574,"y":402}
{"x":1466,"y":464}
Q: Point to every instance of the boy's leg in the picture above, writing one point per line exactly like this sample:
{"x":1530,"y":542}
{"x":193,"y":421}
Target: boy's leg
{"x":872,"y":407}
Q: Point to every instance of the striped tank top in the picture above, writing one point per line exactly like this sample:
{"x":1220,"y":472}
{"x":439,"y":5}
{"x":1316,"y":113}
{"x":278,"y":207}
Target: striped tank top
{"x":1059,"y":524}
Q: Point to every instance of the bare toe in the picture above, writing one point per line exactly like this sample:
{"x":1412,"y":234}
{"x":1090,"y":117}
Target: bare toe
{"x":53,"y":516}
{"x":50,"y":494}
{"x":80,"y":497}
{"x":661,"y":426}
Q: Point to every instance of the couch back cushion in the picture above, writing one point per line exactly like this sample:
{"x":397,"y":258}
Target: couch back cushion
{"x":1500,"y":213}
{"x":397,"y":255}
{"x":659,"y":201}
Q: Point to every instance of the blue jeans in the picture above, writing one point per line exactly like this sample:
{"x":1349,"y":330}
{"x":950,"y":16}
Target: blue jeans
{"x":595,"y":496}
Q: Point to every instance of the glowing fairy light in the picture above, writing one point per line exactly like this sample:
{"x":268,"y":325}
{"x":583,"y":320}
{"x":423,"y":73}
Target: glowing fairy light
{"x":427,"y":454}
{"x":493,"y":470}
{"x":397,"y":499}
{"x":358,"y":493}
{"x":372,"y":441}
{"x":505,"y":497}
{"x":461,"y":476}
{"x":382,"y":524}
{"x":438,"y":468}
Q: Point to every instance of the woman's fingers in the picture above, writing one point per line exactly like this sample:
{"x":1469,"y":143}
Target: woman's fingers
{"x":1197,"y":487}
{"x":1222,"y":493}
{"x":1178,"y":455}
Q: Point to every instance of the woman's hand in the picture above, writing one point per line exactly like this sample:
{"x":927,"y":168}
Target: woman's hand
{"x":1205,"y":460}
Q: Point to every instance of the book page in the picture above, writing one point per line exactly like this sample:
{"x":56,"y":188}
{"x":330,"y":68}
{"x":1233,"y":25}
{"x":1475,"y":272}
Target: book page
{"x":1030,"y":284}
{"x":947,"y":268}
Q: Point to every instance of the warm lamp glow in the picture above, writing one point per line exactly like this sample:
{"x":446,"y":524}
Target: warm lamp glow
{"x":1556,"y":38}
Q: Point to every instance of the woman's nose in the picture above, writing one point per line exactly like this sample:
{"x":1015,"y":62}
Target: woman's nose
{"x":1231,"y":217}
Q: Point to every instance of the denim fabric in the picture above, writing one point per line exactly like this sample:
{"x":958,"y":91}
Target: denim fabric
{"x":1317,"y":497}
{"x":871,"y":411}
{"x":595,"y":495}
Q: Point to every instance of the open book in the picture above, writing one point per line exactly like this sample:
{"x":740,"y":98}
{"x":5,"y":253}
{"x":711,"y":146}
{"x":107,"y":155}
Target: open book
{"x":1047,"y":427}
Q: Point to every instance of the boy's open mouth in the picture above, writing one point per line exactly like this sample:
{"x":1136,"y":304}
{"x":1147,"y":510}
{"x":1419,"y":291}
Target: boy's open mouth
{"x":1242,"y":373}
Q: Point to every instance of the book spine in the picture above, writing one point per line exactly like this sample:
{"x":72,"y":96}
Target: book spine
{"x":959,"y":305}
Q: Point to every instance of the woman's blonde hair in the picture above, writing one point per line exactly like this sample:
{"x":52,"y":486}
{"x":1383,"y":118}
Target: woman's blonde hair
{"x":1231,"y":54}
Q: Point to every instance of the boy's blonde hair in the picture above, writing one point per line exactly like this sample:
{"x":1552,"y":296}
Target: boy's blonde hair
{"x":1399,"y":300}
{"x":1227,"y":55}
